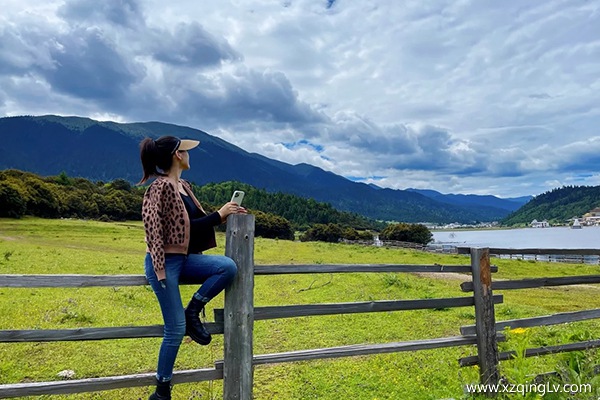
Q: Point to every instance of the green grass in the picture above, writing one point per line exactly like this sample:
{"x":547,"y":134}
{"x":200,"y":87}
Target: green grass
{"x":33,"y":245}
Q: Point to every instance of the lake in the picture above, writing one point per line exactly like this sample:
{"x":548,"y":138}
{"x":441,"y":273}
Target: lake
{"x":542,"y":238}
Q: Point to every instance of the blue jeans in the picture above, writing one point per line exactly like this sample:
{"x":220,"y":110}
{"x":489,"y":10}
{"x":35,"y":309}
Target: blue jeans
{"x":213,"y":272}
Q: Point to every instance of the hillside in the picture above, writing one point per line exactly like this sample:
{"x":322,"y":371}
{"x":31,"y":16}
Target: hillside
{"x":469,"y":200}
{"x":104,"y":151}
{"x":25,"y":193}
{"x":557,"y":206}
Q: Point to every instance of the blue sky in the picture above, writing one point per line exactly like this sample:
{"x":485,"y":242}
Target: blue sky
{"x":478,"y":96}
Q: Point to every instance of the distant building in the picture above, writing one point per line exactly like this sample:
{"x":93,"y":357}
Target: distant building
{"x":537,"y":224}
{"x":592,"y":217}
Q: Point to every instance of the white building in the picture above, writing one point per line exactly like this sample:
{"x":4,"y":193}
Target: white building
{"x":536,"y":224}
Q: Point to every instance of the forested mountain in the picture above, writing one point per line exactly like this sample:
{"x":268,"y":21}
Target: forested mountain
{"x":493,"y":202}
{"x":105,"y":151}
{"x":300,"y":211}
{"x":557,"y":205}
{"x":25,"y":193}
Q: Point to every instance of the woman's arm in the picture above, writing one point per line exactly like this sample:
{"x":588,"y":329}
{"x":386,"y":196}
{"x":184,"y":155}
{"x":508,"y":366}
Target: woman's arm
{"x":153,"y":226}
{"x":207,"y":222}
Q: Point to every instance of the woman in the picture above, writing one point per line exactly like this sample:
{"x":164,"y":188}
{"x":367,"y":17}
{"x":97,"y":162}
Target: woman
{"x":178,"y":230}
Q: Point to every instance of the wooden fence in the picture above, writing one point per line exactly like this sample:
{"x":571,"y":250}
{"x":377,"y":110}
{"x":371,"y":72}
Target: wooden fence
{"x":545,"y":320}
{"x":235,"y":321}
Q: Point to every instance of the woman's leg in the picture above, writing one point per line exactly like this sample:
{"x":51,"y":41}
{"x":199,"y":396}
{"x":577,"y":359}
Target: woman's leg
{"x":214,"y":272}
{"x":171,"y":306}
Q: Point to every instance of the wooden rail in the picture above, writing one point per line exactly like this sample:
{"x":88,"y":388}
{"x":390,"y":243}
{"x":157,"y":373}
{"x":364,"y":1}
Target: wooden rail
{"x":555,"y":319}
{"x":105,"y":383}
{"x":305,"y":310}
{"x":572,"y":256}
{"x":360,"y":350}
{"x":339,"y":268}
{"x":83,"y":281}
{"x":538,"y":351}
{"x":80,"y":334}
{"x":528,"y":251}
{"x":538,"y":282}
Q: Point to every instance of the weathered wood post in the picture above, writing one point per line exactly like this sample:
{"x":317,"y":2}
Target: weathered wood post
{"x":239,"y":310}
{"x":485,"y":320}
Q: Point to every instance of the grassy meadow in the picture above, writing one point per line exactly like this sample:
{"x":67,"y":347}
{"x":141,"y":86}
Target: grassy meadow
{"x":33,"y":246}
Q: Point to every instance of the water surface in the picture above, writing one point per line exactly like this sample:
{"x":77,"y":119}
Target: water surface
{"x":541,"y":238}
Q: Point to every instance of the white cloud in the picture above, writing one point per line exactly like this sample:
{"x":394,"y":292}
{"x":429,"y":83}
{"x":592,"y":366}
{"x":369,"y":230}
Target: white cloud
{"x":457,"y":96}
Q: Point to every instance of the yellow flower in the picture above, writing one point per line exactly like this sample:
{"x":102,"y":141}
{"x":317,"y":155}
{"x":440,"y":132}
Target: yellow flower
{"x":518,"y":330}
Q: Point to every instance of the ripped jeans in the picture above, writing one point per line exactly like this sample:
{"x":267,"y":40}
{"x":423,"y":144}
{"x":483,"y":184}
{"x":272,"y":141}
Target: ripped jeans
{"x":212,"y":271}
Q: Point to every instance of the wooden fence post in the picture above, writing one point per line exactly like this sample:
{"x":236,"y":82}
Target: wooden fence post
{"x":485,"y":320}
{"x":239,"y":310}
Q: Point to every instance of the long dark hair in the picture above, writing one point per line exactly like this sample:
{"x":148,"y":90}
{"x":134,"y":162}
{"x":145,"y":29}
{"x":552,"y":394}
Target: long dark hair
{"x":157,"y":154}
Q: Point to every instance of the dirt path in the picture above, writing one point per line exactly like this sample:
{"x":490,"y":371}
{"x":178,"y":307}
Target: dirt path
{"x":9,"y":238}
{"x":455,"y":276}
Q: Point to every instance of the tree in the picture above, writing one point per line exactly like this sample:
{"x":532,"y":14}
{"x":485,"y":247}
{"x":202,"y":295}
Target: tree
{"x":63,"y":179}
{"x":120,"y":184}
{"x":300,"y":212}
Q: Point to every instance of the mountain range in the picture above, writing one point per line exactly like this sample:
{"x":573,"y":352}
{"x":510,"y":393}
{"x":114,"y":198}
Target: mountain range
{"x":104,"y":150}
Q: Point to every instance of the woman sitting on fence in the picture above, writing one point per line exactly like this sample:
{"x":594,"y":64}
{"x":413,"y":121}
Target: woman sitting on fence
{"x":178,"y":230}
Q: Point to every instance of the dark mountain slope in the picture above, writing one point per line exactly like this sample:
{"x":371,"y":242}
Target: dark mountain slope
{"x":49,"y":145}
{"x":474,"y":200}
{"x":557,"y":206}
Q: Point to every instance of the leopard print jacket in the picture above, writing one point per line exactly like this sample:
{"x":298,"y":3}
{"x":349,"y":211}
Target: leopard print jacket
{"x":167,"y":224}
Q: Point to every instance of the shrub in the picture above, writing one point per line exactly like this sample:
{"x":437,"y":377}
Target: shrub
{"x":272,"y":226}
{"x":324,"y":233}
{"x":414,"y":233}
{"x":12,"y":201}
{"x":43,"y":199}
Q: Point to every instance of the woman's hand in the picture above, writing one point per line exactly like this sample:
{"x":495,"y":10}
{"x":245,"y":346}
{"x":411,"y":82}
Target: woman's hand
{"x":231,"y":208}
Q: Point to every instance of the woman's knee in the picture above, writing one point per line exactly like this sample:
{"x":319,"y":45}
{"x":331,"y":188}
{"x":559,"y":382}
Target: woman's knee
{"x":229,"y":268}
{"x":174,"y":332}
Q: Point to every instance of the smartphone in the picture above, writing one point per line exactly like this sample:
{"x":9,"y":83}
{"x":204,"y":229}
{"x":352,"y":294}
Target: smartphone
{"x":237,"y":197}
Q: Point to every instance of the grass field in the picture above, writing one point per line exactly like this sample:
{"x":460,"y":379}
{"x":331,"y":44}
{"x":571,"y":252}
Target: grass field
{"x":34,"y":245}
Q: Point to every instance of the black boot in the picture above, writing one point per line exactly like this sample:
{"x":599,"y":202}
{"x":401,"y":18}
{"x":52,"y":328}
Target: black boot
{"x":162,"y":392}
{"x":193,"y":325}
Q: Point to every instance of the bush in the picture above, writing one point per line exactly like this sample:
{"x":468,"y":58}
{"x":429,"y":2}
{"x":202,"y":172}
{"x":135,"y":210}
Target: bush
{"x":331,"y":233}
{"x":352,"y":234}
{"x":272,"y":226}
{"x":43,"y":199}
{"x":414,"y":233}
{"x":12,"y":201}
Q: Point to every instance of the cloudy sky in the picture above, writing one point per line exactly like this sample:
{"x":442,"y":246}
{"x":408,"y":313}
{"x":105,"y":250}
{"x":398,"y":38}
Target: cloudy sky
{"x":459,"y":96}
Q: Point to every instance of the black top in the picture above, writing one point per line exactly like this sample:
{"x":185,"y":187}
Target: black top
{"x":191,"y":207}
{"x":200,"y":224}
